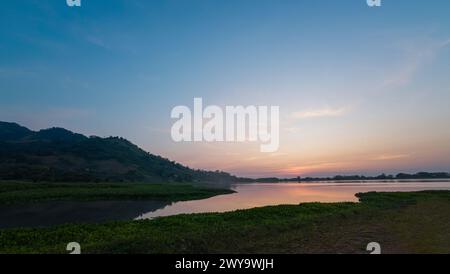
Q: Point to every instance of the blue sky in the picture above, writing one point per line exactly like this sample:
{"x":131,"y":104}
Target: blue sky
{"x":375,"y":78}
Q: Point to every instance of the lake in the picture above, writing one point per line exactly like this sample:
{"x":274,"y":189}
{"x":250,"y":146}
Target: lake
{"x":246,"y":196}
{"x":271,"y":194}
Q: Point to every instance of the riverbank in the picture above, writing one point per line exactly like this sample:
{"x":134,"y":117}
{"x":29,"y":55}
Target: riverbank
{"x":401,"y":222}
{"x":28,"y":192}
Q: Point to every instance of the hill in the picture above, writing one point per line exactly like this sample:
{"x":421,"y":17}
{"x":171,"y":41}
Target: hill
{"x":57,"y":154}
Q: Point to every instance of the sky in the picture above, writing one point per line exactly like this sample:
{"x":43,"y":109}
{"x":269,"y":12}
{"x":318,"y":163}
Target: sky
{"x":361,"y":90}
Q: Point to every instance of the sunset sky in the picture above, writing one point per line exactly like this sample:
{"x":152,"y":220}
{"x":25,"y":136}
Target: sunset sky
{"x":361,"y":90}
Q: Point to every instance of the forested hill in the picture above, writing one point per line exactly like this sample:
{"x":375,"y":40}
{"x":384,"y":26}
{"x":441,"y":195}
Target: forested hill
{"x":58,"y":154}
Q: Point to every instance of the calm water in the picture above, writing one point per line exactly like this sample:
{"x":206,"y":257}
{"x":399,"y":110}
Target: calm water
{"x":258,"y":195}
{"x":247,"y":196}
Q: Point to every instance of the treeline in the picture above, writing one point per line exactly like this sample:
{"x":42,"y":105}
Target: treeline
{"x":400,"y":176}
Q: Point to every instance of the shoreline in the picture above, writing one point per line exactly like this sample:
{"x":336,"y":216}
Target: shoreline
{"x":17,"y":192}
{"x":401,"y":222}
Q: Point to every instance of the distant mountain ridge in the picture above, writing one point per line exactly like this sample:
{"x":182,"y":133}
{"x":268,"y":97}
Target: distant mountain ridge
{"x":13,"y":131}
{"x":57,"y":154}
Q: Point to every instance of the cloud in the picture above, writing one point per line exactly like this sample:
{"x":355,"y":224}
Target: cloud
{"x":308,"y":168}
{"x":389,"y":157}
{"x":403,"y":75}
{"x":320,"y":113}
{"x":416,"y":58}
{"x":98,"y":41}
{"x":445,"y":43}
{"x":293,"y":129}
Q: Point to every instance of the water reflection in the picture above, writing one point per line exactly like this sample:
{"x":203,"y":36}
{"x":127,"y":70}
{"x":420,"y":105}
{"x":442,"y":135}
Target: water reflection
{"x":258,"y":195}
{"x":55,"y":213}
{"x":247,"y":196}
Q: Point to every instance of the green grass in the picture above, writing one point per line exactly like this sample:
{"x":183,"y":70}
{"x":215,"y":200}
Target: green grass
{"x":400,"y":222}
{"x":20,"y":192}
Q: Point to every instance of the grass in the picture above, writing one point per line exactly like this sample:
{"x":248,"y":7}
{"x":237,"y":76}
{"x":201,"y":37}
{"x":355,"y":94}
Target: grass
{"x":21,"y":192}
{"x":400,"y":222}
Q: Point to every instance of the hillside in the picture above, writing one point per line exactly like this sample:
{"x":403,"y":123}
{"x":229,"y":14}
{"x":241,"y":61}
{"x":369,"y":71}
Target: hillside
{"x":58,"y":154}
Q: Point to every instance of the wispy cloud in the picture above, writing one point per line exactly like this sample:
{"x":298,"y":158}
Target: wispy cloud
{"x":445,"y":43}
{"x":97,"y":41}
{"x":314,"y":167}
{"x":388,"y":157}
{"x":320,"y":113}
{"x":416,"y":58}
